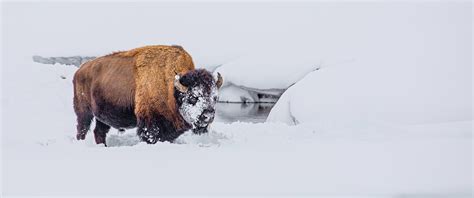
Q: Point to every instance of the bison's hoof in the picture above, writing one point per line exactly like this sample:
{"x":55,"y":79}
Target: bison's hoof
{"x":105,"y":145}
{"x":81,"y":136}
{"x":100,"y":140}
{"x":149,"y":139}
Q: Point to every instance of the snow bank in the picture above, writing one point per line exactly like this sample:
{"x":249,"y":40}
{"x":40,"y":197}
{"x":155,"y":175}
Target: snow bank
{"x":271,"y":69}
{"x":414,"y":70}
{"x":265,"y":74}
{"x":73,"y":60}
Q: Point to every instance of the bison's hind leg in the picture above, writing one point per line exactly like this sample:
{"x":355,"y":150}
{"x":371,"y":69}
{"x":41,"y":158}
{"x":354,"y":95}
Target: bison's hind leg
{"x":100,"y":132}
{"x":83,"y":124}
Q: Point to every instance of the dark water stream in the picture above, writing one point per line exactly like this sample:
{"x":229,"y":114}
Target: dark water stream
{"x":243,"y":112}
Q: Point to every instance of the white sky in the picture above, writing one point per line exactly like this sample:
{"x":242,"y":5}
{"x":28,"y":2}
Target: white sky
{"x":213,"y":32}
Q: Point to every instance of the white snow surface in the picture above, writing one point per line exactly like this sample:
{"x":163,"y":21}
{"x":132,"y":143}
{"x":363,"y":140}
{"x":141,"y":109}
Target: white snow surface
{"x":270,"y":68}
{"x":414,"y":70}
{"x":424,"y":149}
{"x":268,"y":71}
{"x":232,"y":93}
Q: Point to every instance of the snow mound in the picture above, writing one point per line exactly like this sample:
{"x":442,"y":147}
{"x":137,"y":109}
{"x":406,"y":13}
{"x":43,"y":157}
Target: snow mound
{"x":264,"y":75}
{"x":73,"y":60}
{"x":364,"y":93}
{"x":421,"y":75}
{"x":270,"y":69}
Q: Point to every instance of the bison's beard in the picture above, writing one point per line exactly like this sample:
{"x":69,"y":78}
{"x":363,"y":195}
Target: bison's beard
{"x":201,"y":130}
{"x":191,"y":113}
{"x":201,"y":125}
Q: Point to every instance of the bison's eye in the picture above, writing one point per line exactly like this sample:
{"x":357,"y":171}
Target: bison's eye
{"x":192,"y":100}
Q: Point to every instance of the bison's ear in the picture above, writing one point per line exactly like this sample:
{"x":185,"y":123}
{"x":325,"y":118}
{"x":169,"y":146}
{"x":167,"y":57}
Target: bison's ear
{"x":219,"y":80}
{"x":180,"y":87}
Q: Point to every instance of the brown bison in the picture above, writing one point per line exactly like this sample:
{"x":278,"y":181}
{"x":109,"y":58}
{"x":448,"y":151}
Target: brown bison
{"x":154,"y":88}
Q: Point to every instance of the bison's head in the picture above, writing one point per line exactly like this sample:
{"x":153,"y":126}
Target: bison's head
{"x":196,"y":96}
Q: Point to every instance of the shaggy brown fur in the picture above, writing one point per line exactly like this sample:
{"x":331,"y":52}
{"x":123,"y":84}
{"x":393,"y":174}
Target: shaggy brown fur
{"x":137,"y":83}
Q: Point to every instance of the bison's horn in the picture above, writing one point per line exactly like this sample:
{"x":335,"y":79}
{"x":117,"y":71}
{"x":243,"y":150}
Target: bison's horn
{"x":219,"y":80}
{"x":180,"y":87}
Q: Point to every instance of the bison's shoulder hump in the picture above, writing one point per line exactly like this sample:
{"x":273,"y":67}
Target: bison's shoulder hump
{"x":150,"y":49}
{"x":178,"y":47}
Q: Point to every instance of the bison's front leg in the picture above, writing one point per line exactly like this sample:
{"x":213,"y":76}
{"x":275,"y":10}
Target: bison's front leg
{"x":148,"y":132}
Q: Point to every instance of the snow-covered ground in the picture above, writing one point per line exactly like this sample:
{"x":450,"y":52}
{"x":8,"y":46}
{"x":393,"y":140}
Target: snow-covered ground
{"x":387,"y":115}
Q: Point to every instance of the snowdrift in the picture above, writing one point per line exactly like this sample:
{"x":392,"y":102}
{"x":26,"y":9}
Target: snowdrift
{"x":266,"y":74}
{"x":412,"y":69}
{"x":363,"y":94}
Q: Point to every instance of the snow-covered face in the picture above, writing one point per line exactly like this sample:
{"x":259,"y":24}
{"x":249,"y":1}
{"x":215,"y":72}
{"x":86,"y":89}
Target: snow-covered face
{"x":198,"y":106}
{"x":196,"y":96}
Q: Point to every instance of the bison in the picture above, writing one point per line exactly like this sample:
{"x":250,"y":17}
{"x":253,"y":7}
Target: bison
{"x":154,"y":88}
